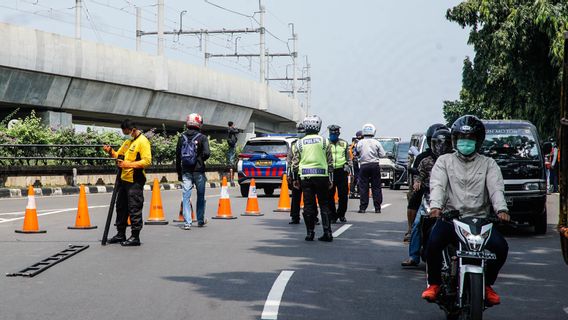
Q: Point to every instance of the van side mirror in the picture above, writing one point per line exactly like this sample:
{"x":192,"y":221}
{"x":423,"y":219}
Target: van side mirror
{"x":546,"y":148}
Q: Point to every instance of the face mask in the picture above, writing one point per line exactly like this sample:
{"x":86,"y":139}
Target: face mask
{"x":466,"y":146}
{"x":333,"y":137}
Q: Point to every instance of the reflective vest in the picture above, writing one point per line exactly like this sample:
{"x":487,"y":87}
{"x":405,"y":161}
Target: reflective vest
{"x":313,"y":156}
{"x":338,"y":151}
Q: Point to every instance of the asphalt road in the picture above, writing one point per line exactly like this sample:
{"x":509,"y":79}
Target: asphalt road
{"x":227,"y":269}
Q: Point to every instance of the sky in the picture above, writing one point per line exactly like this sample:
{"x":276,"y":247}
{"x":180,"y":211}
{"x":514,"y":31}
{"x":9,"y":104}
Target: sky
{"x":390,"y":63}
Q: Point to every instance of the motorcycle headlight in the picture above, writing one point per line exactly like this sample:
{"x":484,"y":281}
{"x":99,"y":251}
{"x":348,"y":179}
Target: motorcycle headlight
{"x":475,"y":242}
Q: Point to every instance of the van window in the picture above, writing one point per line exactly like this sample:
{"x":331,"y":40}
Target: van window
{"x":270,"y":147}
{"x":510,"y":143}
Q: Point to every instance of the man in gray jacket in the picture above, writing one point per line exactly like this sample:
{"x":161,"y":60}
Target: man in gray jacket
{"x":471,"y":183}
{"x":368,"y":152}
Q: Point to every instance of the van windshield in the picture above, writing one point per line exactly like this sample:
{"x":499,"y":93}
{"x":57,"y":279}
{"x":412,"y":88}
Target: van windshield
{"x":388,"y":144}
{"x":510,"y":143}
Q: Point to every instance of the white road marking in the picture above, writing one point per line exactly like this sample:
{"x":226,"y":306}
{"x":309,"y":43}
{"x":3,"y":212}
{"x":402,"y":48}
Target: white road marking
{"x":272,"y":304}
{"x":386,"y":205}
{"x":339,"y":231}
{"x":52,"y":212}
{"x":566,"y":310}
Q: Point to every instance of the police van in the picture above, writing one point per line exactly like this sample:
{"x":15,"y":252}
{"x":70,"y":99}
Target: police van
{"x":264,"y":159}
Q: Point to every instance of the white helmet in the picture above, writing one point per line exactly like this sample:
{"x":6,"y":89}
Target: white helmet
{"x":194,"y":120}
{"x":369,"y":130}
{"x":312,"y":124}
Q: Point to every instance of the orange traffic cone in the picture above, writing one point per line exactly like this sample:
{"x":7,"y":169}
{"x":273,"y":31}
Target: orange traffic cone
{"x":156,"y":209}
{"x":252,"y":202}
{"x":224,"y":209}
{"x":82,"y":221}
{"x":302,"y":201}
{"x":180,"y":215}
{"x":336,"y":197}
{"x":30,"y":220}
{"x":284,"y":201}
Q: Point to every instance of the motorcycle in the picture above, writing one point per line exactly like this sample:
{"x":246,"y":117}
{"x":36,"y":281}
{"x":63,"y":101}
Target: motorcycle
{"x":462,"y":292}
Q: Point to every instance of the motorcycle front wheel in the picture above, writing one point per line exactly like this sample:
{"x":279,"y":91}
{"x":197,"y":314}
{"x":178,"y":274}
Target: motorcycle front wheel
{"x":473,"y":298}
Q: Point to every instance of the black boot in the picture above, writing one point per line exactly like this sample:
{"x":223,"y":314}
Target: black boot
{"x":133,"y":241}
{"x":327,"y":237}
{"x":310,"y":236}
{"x":118,"y":238}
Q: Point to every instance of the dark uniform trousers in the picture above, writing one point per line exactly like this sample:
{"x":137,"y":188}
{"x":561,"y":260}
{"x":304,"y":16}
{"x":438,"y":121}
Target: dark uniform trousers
{"x":370,"y":173}
{"x":340,"y":183}
{"x":295,"y":206}
{"x":316,"y":187}
{"x":129,"y":202}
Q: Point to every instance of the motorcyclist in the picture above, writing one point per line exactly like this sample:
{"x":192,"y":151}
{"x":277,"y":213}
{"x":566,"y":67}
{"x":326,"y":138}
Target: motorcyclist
{"x":340,"y":153}
{"x":415,"y":197}
{"x":313,"y":162}
{"x":471,"y":183}
{"x":354,"y":188}
{"x":441,"y":144}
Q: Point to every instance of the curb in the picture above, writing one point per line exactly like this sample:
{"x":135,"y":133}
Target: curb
{"x":64,"y":191}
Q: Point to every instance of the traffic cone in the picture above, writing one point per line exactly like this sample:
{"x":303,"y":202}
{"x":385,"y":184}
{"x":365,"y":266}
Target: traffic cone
{"x":284,"y":200}
{"x":252,"y":208}
{"x":180,"y":216}
{"x":302,"y":201}
{"x":156,"y":209}
{"x":224,"y":209}
{"x":336,"y":197}
{"x":82,"y":221}
{"x":30,"y":220}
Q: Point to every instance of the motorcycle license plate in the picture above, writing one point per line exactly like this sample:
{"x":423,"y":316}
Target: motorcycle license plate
{"x":263,"y":163}
{"x":476,"y":255}
{"x":385,"y":175}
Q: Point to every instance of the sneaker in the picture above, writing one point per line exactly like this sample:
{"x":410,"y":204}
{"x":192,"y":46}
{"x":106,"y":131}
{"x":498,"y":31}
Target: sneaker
{"x":409,"y":263}
{"x":431,"y":293}
{"x":202,"y":224}
{"x":186,"y":227}
{"x":491,"y":296}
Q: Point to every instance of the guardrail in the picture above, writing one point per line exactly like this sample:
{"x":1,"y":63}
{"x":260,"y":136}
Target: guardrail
{"x":30,"y":154}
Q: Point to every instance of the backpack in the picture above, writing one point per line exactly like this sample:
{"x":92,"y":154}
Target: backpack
{"x":189,"y":151}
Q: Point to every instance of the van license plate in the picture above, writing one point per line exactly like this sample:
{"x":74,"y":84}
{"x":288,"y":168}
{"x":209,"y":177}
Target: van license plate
{"x":263,"y":163}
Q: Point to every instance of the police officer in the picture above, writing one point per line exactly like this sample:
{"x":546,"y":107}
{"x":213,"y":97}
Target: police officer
{"x":340,"y":153}
{"x":313,"y":163}
{"x":296,"y":192}
{"x":132,"y":158}
{"x":368,"y":152}
{"x":354,"y":192}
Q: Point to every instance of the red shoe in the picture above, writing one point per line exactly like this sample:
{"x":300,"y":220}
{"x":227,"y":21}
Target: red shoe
{"x":431,"y":293}
{"x":491,"y":296}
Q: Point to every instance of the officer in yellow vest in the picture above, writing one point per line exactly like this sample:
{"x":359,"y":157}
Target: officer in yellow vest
{"x":133,"y":157}
{"x":340,"y":153}
{"x":313,"y":162}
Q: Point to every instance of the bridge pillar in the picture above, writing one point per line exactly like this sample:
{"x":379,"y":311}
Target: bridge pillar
{"x":56,"y":120}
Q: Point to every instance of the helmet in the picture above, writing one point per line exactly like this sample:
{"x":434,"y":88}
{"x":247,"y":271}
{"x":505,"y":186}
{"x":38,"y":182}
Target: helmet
{"x":194,"y":120}
{"x":369,"y":130}
{"x":359,"y":134}
{"x":312,"y":124}
{"x":300,"y":127}
{"x":333,"y":128}
{"x":431,"y":131}
{"x":441,"y":142}
{"x":471,"y":127}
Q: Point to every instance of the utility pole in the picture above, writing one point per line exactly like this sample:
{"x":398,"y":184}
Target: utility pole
{"x":262,"y":43}
{"x":138,"y":28}
{"x":160,"y":27}
{"x":78,"y":10}
{"x":294,"y":56}
{"x":309,"y":85}
{"x":205,"y":38}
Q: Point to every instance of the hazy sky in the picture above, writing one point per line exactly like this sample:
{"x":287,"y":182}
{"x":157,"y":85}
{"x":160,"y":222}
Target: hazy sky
{"x":391,"y":63}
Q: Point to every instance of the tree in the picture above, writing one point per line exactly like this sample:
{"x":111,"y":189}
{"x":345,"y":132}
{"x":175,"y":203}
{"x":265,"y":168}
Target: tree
{"x":516,"y":70}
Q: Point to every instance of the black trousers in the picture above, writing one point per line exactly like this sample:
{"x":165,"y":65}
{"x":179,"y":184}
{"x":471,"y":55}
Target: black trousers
{"x":295,"y":206}
{"x":340,"y":183}
{"x":370,"y":174}
{"x":312,"y":188}
{"x":443,"y":234}
{"x":355,"y":182}
{"x":129,"y":202}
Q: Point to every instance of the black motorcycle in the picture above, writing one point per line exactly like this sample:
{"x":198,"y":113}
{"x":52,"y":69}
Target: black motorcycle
{"x":462,"y":292}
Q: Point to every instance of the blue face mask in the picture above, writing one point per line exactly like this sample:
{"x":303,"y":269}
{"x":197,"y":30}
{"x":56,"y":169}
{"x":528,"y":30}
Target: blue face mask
{"x":333,"y":137}
{"x":466,"y":146}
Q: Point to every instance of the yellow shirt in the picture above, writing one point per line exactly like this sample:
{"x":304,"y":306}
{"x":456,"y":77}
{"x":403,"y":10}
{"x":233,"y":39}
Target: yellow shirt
{"x":135,"y":150}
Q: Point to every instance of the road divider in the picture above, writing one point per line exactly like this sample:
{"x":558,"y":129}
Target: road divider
{"x":272,"y":304}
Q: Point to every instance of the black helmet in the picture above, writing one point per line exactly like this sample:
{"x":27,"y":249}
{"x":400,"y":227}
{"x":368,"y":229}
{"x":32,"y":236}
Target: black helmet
{"x":431,"y":131}
{"x":300,"y":127}
{"x":471,"y":127}
{"x":333,"y":128}
{"x":359,"y":135}
{"x":442,"y":142}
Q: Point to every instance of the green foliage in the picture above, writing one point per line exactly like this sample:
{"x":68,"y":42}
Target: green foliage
{"x":516,"y":71}
{"x":219,"y":151}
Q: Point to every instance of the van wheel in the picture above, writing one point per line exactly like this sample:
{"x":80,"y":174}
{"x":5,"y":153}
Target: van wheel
{"x":244,"y":190}
{"x":396,"y":187}
{"x":540,"y":224}
{"x":269,"y":191}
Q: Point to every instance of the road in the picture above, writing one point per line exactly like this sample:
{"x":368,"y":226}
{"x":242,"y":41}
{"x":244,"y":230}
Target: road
{"x":227,"y":269}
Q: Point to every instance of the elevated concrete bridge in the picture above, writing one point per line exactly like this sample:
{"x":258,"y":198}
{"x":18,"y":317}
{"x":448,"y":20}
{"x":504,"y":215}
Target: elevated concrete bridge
{"x":102,"y":85}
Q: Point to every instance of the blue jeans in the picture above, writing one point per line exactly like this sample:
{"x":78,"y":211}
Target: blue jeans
{"x":191,"y":179}
{"x":231,"y":155}
{"x":416,"y":236}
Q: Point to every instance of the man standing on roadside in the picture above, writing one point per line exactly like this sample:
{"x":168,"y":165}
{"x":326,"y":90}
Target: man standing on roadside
{"x":132,"y":158}
{"x":232,"y":139}
{"x":191,"y":153}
